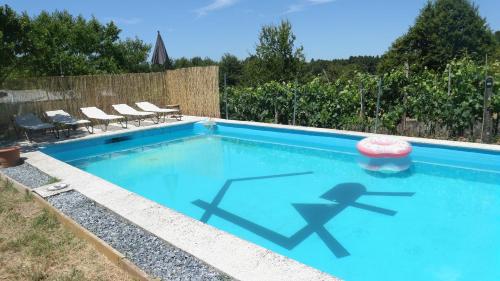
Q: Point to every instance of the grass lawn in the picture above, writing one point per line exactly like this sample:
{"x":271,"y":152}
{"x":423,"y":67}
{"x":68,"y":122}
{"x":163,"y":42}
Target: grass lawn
{"x":34,"y":246}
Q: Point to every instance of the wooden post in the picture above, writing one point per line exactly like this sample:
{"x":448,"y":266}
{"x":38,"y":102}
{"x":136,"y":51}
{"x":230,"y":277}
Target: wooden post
{"x":487,"y":121}
{"x":326,"y":76}
{"x":405,"y":95}
{"x":225,"y":94}
{"x":295,"y":101}
{"x":486,"y":64}
{"x":449,"y":80}
{"x":378,"y":102}
{"x":275,"y":110}
{"x":362,"y":101}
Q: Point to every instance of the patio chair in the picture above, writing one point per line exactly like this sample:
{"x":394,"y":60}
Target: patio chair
{"x":127,"y":111}
{"x":174,"y":112}
{"x":101,"y":117}
{"x":64,"y":120}
{"x":29,"y":123}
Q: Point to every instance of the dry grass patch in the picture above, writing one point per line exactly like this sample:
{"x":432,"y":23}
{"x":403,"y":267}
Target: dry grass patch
{"x":34,"y":246}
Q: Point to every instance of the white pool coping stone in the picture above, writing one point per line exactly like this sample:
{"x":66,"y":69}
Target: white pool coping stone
{"x":45,"y":192}
{"x":236,"y":257}
{"x":484,"y":146}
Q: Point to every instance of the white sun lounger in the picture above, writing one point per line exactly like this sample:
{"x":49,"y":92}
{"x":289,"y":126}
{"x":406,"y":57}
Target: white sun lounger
{"x":147,"y":106}
{"x":30,"y":122}
{"x":66,"y":121}
{"x":127,"y":111}
{"x":101,"y":117}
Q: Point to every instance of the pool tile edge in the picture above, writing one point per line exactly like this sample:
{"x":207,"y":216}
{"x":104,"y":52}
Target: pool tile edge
{"x":419,"y":140}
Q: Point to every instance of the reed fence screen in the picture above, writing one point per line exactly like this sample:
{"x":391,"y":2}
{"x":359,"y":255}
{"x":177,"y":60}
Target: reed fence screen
{"x":195,"y":89}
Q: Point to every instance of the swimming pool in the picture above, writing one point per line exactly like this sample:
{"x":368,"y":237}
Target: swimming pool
{"x":303,"y":195}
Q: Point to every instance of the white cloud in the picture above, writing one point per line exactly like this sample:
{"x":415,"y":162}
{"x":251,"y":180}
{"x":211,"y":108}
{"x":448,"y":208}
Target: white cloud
{"x":297,"y":7}
{"x":294,"y":8}
{"x":215,"y":5}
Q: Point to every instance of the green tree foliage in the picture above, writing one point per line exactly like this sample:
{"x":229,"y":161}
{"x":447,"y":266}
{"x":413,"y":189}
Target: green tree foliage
{"x":444,"y":30}
{"x":458,"y":110}
{"x":195,"y":61}
{"x":232,"y":67}
{"x":337,"y":104}
{"x":12,"y":31}
{"x":494,"y":70}
{"x":337,"y":68}
{"x":276,"y":56}
{"x":132,"y":54}
{"x":60,"y":44}
{"x":251,"y":75}
{"x":497,"y":51}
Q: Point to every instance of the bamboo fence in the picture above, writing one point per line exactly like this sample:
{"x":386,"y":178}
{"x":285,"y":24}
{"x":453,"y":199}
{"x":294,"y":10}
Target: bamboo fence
{"x":195,"y":89}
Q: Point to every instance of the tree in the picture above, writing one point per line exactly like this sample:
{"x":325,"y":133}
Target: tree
{"x":251,"y":75}
{"x":277,"y":57}
{"x":131,"y":56}
{"x":232,"y":67}
{"x":182,"y":62}
{"x":12,"y":33}
{"x":497,"y":52}
{"x":194,"y":61}
{"x":337,"y":68}
{"x":60,"y":44}
{"x":444,"y":30}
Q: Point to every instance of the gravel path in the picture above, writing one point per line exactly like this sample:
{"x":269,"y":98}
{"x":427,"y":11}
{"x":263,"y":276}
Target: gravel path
{"x":27,"y":175}
{"x":153,"y":255}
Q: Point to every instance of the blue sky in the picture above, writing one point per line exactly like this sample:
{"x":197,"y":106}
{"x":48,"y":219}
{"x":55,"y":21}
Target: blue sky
{"x":209,"y":28}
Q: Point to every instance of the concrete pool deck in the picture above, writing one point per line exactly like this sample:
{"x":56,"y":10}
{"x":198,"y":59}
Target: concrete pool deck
{"x":236,"y":257}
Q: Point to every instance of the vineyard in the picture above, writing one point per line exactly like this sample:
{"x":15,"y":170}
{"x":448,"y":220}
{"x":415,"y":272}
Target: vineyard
{"x":447,"y":104}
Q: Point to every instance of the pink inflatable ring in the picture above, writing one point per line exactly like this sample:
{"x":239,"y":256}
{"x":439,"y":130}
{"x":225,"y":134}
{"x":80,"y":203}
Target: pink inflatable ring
{"x":384,"y":147}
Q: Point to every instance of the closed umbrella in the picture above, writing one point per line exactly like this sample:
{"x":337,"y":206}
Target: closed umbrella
{"x":160,"y":53}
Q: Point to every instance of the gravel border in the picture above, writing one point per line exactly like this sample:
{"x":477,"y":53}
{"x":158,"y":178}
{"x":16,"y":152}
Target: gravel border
{"x":28,"y":175}
{"x":153,"y":255}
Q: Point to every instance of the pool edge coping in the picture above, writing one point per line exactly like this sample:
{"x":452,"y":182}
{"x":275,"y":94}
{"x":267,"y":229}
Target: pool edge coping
{"x":418,"y":140}
{"x":191,"y":120}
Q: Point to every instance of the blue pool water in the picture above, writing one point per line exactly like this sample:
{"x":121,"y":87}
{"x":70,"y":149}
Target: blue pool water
{"x":304,"y":195}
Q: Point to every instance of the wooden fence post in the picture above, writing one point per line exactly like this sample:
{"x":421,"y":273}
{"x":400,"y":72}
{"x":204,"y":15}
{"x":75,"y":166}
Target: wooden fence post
{"x":295,"y":100}
{"x":362,"y":101}
{"x":487,"y":121}
{"x":449,"y":80}
{"x":225,"y":94}
{"x":405,"y":96}
{"x":378,"y":102}
{"x":275,"y":111}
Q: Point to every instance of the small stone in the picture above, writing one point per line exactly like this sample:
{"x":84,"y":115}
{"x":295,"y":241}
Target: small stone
{"x":153,"y":255}
{"x":27,"y":175}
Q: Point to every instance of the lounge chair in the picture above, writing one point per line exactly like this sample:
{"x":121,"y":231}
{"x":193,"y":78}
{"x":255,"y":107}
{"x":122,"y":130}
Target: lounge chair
{"x":64,"y":120}
{"x":127,"y":111}
{"x":101,"y":117}
{"x":31,"y":123}
{"x":174,"y":112}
